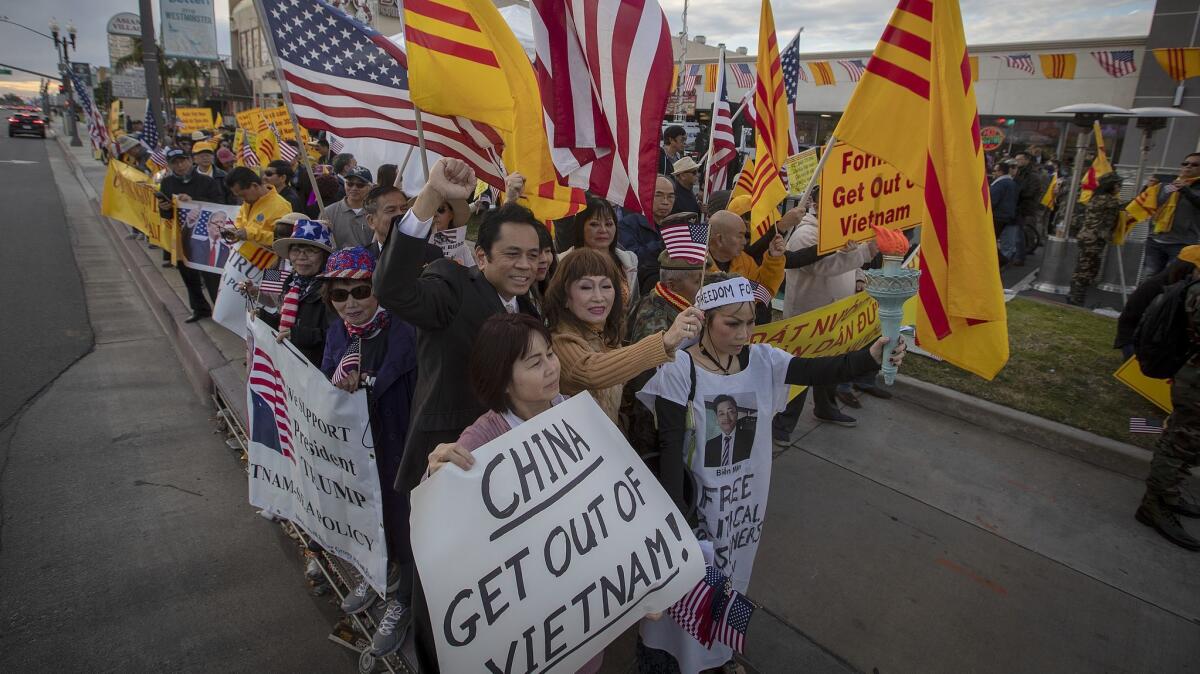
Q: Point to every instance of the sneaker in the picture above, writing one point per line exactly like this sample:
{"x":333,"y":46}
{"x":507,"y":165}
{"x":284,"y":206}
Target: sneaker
{"x":392,"y":628}
{"x":313,"y":571}
{"x":359,"y":599}
{"x":838,"y":418}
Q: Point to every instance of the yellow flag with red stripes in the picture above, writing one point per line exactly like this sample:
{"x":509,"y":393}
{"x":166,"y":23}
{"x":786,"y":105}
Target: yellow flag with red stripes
{"x":770,"y":129}
{"x":919,"y":80}
{"x":822,"y":73}
{"x":464,"y":61}
{"x":1058,"y":66}
{"x":1180,"y":63}
{"x":745,"y":180}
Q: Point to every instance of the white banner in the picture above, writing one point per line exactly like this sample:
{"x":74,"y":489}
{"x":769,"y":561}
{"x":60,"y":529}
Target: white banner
{"x":311,"y":455}
{"x":200,"y":226}
{"x":129,"y":84}
{"x":557,"y":540}
{"x":189,"y":29}
{"x":247,"y":263}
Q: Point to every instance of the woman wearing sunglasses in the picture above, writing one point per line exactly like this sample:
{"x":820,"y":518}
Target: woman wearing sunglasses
{"x":368,"y":348}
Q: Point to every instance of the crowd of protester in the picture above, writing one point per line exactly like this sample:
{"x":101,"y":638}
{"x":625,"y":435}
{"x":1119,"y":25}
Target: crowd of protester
{"x":455,"y":351}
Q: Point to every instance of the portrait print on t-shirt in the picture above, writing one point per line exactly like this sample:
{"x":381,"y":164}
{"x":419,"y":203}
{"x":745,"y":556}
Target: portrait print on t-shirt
{"x":729,"y":424}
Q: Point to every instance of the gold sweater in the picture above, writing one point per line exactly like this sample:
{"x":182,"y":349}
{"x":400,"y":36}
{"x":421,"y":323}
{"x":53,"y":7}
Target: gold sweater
{"x":588,"y":365}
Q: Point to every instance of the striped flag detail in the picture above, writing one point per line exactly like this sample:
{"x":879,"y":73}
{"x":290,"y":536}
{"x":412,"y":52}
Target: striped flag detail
{"x":710,"y":77}
{"x":743,"y":74}
{"x":722,"y":147}
{"x":1117,"y":63}
{"x":1143,"y":425}
{"x":691,"y":78}
{"x":854,"y":68}
{"x":267,"y":383}
{"x":1022,"y":62}
{"x":604,"y":70}
{"x":735,"y":620}
{"x":1180,"y":63}
{"x":1058,"y":66}
{"x":686,"y":241}
{"x":822,"y":73}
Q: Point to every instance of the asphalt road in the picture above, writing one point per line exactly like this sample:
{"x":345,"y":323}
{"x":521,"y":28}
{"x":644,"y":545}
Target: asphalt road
{"x":126,"y":542}
{"x":44,"y":326}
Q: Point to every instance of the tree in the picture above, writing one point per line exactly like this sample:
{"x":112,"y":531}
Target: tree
{"x":190,"y":78}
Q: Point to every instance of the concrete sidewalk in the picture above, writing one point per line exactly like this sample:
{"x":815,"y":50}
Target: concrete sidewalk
{"x":920,"y":542}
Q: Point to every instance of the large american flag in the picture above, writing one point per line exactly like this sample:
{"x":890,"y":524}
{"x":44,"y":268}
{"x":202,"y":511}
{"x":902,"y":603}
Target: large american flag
{"x":97,"y":131}
{"x":686,"y":241}
{"x":854,"y":68}
{"x":722,"y":145}
{"x":1022,"y":62}
{"x":149,"y":133}
{"x":344,"y":76}
{"x":789,"y":61}
{"x":743,"y":74}
{"x":266,"y":382}
{"x":604,"y":70}
{"x":1118,"y":63}
{"x":735,"y":619}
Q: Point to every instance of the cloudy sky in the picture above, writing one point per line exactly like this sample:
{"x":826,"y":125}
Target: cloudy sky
{"x":828,"y":25}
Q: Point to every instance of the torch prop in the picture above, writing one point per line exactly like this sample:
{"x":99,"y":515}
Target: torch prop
{"x":891,"y":287}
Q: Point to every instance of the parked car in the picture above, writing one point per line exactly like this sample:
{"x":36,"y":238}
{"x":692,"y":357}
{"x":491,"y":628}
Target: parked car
{"x":24,"y":122}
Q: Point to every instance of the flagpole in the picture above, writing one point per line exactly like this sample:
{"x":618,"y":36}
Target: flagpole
{"x":421,"y":141}
{"x":287,"y":101}
{"x":403,"y":167}
{"x":712,"y":120}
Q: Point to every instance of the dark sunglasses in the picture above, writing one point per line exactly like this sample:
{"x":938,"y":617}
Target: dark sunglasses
{"x":343,"y":294}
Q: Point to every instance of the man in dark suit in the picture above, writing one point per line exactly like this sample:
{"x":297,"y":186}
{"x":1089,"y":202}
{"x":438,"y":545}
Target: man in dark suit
{"x":734,"y":442}
{"x":204,"y":246}
{"x":448,"y":303}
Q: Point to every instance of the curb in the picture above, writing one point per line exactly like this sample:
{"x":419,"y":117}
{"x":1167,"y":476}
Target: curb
{"x":1088,"y":447}
{"x":196,"y":351}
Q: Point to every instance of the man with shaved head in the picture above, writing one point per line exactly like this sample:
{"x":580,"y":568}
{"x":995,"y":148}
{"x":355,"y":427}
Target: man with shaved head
{"x":727,"y":249}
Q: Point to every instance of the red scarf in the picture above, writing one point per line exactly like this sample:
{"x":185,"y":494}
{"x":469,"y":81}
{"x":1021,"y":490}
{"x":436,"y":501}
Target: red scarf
{"x":352,"y":359}
{"x":672,"y":298}
{"x":297,"y":287}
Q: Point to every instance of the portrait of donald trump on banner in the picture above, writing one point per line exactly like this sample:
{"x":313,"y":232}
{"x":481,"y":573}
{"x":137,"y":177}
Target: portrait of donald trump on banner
{"x":203,"y":247}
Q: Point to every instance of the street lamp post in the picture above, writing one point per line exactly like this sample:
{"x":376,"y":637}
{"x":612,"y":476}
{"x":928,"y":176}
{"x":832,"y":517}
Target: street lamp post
{"x":62,"y":47}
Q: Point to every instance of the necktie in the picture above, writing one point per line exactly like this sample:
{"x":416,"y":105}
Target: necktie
{"x":726,"y":458}
{"x":212,"y":254}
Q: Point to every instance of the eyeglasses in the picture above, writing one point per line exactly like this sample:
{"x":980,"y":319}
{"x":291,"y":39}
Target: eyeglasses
{"x":360,"y":292}
{"x":1190,"y":164}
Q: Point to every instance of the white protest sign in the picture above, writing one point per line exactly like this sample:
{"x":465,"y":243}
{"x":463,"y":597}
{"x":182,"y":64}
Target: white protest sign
{"x":201,"y":225}
{"x":453,"y":243}
{"x":557,"y":540}
{"x":311,"y":455}
{"x":247,"y":263}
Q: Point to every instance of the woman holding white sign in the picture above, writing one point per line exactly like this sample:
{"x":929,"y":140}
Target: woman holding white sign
{"x":714,"y":406}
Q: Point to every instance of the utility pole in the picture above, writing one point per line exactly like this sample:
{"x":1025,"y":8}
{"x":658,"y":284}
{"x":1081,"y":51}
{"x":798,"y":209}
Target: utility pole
{"x":154,"y":99}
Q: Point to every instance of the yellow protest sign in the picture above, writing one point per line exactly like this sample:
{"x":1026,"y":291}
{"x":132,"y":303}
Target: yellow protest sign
{"x":283,"y":123}
{"x":800,"y":168}
{"x":194,"y":119}
{"x":129,"y":198}
{"x":114,"y":119}
{"x":832,"y":330}
{"x":1157,"y":391}
{"x":859,"y":190}
{"x":248,"y":119}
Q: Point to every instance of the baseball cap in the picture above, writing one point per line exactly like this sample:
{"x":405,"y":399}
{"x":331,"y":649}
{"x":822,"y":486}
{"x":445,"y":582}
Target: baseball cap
{"x":360,"y":172}
{"x":176,"y":152}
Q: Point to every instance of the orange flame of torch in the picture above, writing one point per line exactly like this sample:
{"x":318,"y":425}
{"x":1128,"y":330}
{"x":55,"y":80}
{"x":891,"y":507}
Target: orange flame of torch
{"x":890,"y":241}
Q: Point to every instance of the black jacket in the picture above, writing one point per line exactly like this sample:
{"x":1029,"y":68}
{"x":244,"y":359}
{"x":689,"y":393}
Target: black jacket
{"x":1139,"y":301}
{"x":298,"y":202}
{"x":1029,"y":199}
{"x":312,"y":322}
{"x":198,"y":187}
{"x":685,"y":200}
{"x":447,"y":303}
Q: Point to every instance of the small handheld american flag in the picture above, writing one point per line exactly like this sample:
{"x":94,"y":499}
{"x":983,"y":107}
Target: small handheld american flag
{"x":273,"y":281}
{"x":761,"y":294}
{"x":694,"y":612}
{"x":686,"y":241}
{"x":336,"y":146}
{"x":735,"y":619}
{"x":349,"y":362}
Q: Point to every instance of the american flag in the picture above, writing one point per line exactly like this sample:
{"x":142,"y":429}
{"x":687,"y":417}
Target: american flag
{"x":266,"y":382}
{"x":336,"y":146}
{"x":686,"y":241}
{"x":249,"y":156}
{"x":149,"y":133}
{"x":344,"y":76}
{"x":604,"y":70}
{"x":159,"y":156}
{"x":743,"y":74}
{"x":200,"y":231}
{"x":854,"y":68}
{"x":1117,"y":63}
{"x":273,"y":281}
{"x":691,"y":77}
{"x":349,"y":362}
{"x":694,"y":612}
{"x":789,"y":61}
{"x":1019,"y":62}
{"x":761,"y":294}
{"x":1142,"y":425}
{"x":286,"y":151}
{"x":735,"y":619}
{"x":97,"y":131}
{"x":722,"y":145}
